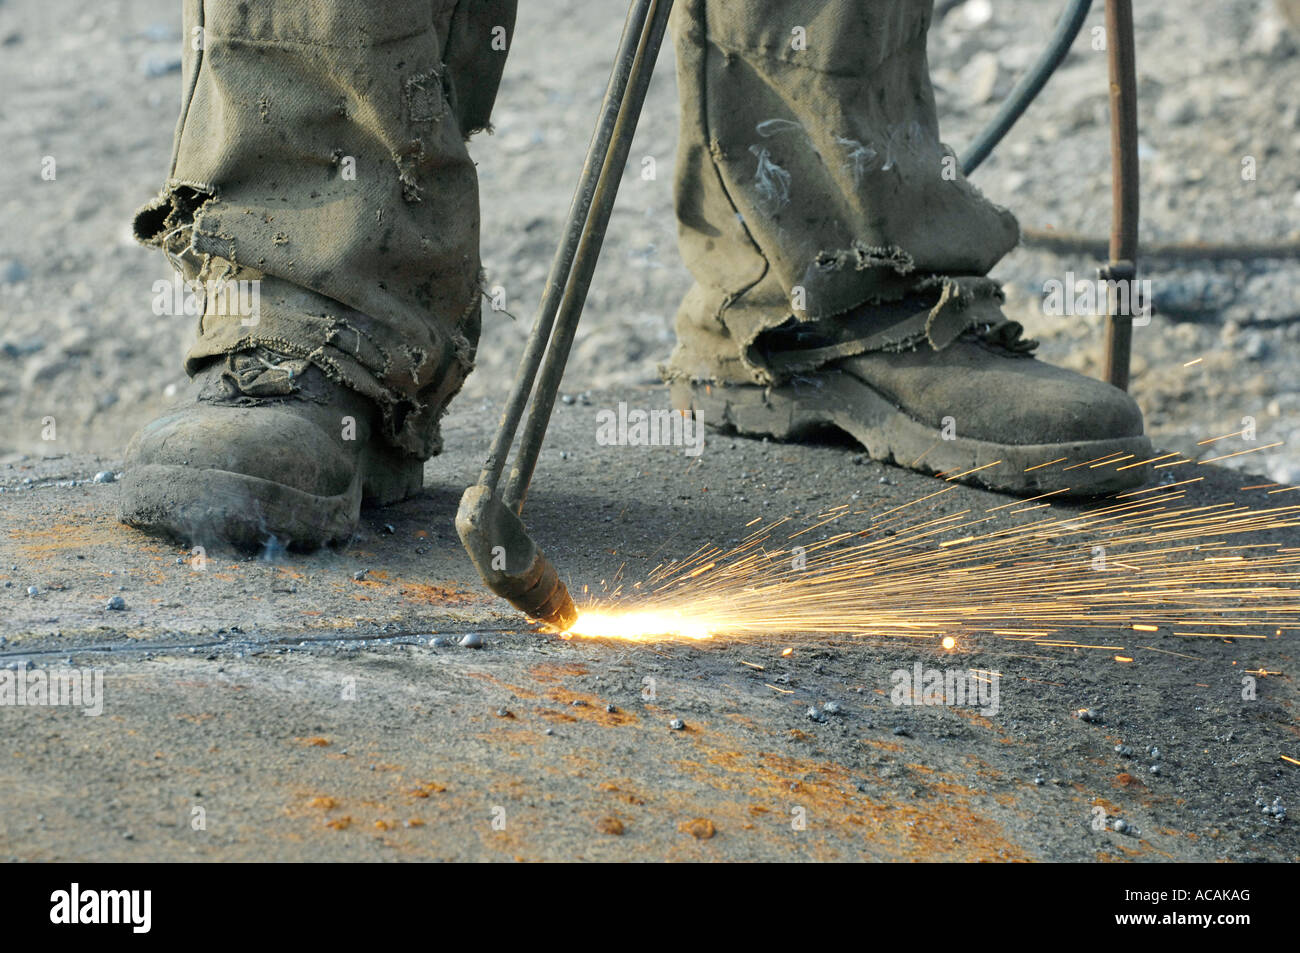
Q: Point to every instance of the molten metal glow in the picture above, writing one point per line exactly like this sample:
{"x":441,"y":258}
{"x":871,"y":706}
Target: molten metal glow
{"x":638,"y":626}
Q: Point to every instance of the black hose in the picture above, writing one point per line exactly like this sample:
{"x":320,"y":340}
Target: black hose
{"x":1030,"y":85}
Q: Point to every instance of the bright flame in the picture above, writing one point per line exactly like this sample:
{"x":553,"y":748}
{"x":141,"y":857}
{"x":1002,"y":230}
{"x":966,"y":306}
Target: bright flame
{"x":949,"y":642}
{"x":638,"y":626}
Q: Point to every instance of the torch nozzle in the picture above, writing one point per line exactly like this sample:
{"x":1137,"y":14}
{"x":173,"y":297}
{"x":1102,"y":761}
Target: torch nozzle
{"x":509,"y":561}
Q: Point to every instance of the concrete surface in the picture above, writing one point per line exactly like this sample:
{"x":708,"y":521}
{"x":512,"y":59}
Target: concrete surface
{"x":279,"y":708}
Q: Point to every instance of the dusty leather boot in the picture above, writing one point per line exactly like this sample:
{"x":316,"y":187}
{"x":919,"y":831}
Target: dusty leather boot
{"x":322,"y":142}
{"x":263,"y":449}
{"x":979,"y":410}
{"x":321,"y":157}
{"x":840,"y":255}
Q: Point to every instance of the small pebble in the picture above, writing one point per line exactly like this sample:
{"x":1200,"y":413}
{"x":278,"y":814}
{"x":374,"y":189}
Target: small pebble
{"x":676,"y":724}
{"x":472,"y":641}
{"x":360,"y":574}
{"x":550,"y":731}
{"x":105,"y":476}
{"x":438,"y":642}
{"x":1155,"y":769}
{"x":1124,"y":751}
{"x":117,"y":603}
{"x":1120,"y":825}
{"x":901,"y":731}
{"x":832,"y":708}
{"x":33,"y":591}
{"x":1090,"y":715}
{"x":388,"y":528}
{"x":154,"y":66}
{"x":578,"y":703}
{"x":611,"y":709}
{"x":815,"y":715}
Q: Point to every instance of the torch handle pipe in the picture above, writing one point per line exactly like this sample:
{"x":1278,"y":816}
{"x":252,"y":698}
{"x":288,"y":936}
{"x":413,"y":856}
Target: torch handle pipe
{"x":584,"y":265}
{"x":574,"y":228}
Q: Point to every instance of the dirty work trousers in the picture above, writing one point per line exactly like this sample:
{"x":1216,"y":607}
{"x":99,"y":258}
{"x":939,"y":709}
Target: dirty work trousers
{"x":322,"y":142}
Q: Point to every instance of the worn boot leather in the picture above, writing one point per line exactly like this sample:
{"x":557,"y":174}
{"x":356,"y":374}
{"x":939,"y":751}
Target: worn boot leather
{"x":263,"y":449}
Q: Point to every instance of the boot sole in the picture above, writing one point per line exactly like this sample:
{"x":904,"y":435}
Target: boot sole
{"x":891,"y":436}
{"x":211,"y":507}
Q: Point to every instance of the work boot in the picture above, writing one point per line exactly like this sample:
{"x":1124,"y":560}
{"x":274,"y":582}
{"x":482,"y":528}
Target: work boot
{"x":263,"y":450}
{"x":981,"y":411}
{"x":839,"y":257}
{"x":321,"y":160}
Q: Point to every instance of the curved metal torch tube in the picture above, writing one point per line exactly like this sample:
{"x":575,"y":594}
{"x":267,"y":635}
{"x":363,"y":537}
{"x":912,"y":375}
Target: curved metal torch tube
{"x":584,"y":265}
{"x":574,"y":228}
{"x":1030,"y":85}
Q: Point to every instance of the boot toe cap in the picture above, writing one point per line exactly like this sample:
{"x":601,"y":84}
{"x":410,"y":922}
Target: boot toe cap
{"x":239,"y":477}
{"x":261,"y":443}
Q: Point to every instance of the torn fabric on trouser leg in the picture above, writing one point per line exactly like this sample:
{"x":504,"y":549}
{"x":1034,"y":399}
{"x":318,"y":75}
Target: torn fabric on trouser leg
{"x":811,"y":181}
{"x":321,"y":143}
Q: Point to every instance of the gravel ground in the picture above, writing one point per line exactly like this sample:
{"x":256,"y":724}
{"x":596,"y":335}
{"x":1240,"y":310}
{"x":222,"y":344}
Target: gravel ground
{"x":308,"y":714}
{"x":96,"y":88}
{"x":224,"y":687}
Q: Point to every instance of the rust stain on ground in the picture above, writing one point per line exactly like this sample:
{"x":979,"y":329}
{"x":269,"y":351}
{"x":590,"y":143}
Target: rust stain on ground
{"x":620,"y":791}
{"x":517,"y":690}
{"x":953,"y":827}
{"x":438,"y":595}
{"x":37,"y":538}
{"x":548,"y":672}
{"x":425,"y":789}
{"x":701,"y":828}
